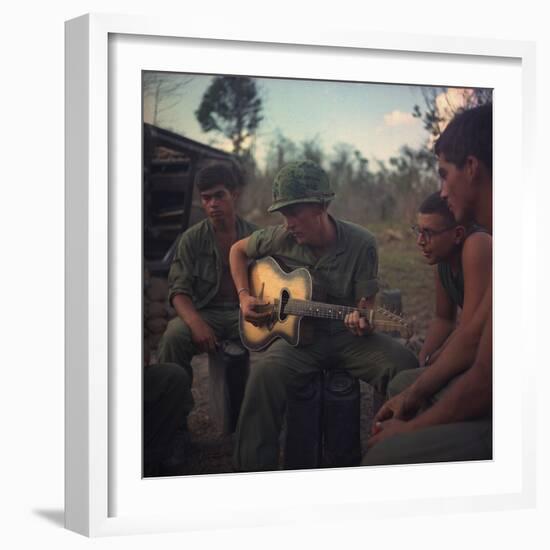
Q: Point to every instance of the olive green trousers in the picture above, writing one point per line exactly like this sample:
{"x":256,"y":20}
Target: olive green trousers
{"x":177,"y":346}
{"x":374,"y":358}
{"x":167,"y":400}
{"x":442,"y":443}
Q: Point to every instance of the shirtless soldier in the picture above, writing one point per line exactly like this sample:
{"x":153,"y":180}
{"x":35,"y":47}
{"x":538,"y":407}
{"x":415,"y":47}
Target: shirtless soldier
{"x":461,"y":257}
{"x":446,"y":413}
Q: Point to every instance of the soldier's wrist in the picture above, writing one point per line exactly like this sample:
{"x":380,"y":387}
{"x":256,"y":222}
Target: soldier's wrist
{"x":419,"y":391}
{"x":193,"y":321}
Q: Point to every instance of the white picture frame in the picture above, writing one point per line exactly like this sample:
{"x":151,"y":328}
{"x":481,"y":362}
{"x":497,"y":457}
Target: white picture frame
{"x":105,"y":494}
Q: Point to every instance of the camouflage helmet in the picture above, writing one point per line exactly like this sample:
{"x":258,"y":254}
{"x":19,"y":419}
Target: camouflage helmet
{"x":299,"y":182}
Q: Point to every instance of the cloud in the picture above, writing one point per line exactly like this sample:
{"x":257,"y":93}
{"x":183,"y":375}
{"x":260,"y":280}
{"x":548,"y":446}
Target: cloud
{"x":398,"y":118}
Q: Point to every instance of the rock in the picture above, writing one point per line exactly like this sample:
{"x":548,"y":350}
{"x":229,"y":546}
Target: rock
{"x":157,"y":325}
{"x":156,"y":310}
{"x":171,"y":312}
{"x":153,"y":341}
{"x":158,"y":289}
{"x":390,"y":299}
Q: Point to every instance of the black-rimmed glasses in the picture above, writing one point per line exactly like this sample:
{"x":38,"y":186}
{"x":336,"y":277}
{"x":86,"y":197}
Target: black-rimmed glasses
{"x":427,"y":234}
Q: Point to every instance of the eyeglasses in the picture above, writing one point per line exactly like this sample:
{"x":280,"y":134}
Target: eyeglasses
{"x":427,"y":234}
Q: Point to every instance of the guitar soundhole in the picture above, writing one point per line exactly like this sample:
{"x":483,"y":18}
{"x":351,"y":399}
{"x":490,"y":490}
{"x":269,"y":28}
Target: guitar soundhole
{"x":285,"y":296}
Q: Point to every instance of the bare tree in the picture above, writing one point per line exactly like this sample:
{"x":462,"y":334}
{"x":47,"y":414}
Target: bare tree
{"x":166,"y":91}
{"x":441,"y":104}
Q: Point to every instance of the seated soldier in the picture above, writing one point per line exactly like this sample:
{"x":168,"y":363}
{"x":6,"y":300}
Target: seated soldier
{"x":201,"y":288}
{"x":444,"y":412}
{"x":167,"y":401}
{"x":462,"y":260}
{"x":342,"y":259}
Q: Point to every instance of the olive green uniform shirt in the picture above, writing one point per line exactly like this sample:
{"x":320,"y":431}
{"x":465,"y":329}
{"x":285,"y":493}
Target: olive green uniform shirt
{"x":197,"y":265}
{"x":346,"y":273}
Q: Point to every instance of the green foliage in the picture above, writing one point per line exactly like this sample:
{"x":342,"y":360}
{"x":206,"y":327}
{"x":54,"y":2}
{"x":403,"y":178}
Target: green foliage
{"x":387,"y":193}
{"x":312,"y":150}
{"x":392,"y":192}
{"x":281,"y":150}
{"x":232,"y":106}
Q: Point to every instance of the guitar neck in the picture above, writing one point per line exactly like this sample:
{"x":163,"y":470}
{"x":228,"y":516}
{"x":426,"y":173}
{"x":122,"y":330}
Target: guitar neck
{"x":379,"y":318}
{"x":307,"y":308}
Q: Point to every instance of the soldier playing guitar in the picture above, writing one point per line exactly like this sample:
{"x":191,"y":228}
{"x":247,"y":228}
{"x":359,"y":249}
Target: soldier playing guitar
{"x":342,"y":258}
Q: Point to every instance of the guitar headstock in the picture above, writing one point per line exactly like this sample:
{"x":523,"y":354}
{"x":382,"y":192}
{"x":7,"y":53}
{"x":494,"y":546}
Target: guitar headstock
{"x":386,"y":321}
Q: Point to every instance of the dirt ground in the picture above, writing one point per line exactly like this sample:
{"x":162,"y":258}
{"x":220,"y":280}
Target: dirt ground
{"x":401,"y":266}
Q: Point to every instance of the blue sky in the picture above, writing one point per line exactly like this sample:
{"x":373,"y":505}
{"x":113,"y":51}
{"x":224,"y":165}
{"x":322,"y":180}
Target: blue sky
{"x":374,"y":118}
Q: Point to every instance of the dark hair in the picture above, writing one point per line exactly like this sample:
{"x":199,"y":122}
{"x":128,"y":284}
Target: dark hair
{"x":216,"y":174}
{"x":434,"y":204}
{"x":469,"y":133}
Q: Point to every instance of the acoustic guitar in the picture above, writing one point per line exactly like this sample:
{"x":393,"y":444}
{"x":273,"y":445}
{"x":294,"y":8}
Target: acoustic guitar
{"x":288,"y":298}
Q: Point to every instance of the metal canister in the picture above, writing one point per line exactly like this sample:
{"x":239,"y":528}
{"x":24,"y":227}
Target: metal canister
{"x":341,"y":415}
{"x":303,"y":426}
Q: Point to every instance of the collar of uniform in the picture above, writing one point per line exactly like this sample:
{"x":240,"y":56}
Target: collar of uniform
{"x":209,"y":237}
{"x":239,"y":227}
{"x":209,"y":242}
{"x":242,"y":228}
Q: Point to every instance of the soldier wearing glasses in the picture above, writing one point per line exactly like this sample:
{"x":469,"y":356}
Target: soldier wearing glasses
{"x":444,"y":411}
{"x":461,"y":257}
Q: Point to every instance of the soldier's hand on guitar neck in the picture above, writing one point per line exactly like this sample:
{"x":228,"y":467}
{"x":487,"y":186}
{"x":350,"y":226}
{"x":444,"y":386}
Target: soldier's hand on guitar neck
{"x":249,"y":305}
{"x":355,"y":323}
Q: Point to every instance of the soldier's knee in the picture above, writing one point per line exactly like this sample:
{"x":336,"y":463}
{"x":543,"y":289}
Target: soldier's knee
{"x":409,"y":359}
{"x":382,"y":454}
{"x":401,"y":381}
{"x":177,"y":332}
{"x":177,"y":328}
{"x":178,"y":376}
{"x":403,"y":359}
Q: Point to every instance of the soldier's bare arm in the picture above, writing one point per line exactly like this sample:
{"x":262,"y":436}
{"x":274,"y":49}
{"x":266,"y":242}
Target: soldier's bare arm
{"x":457,"y":356}
{"x":442,"y":324}
{"x":238,"y":263}
{"x":477,"y":267}
{"x":470,"y":396}
{"x":201,"y":333}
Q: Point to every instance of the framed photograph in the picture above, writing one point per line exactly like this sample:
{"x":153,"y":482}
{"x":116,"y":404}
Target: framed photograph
{"x":110,"y":61}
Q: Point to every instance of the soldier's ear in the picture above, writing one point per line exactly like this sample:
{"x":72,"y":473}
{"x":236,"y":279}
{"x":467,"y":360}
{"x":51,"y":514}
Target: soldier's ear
{"x":472,"y":166}
{"x":460,"y":234}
